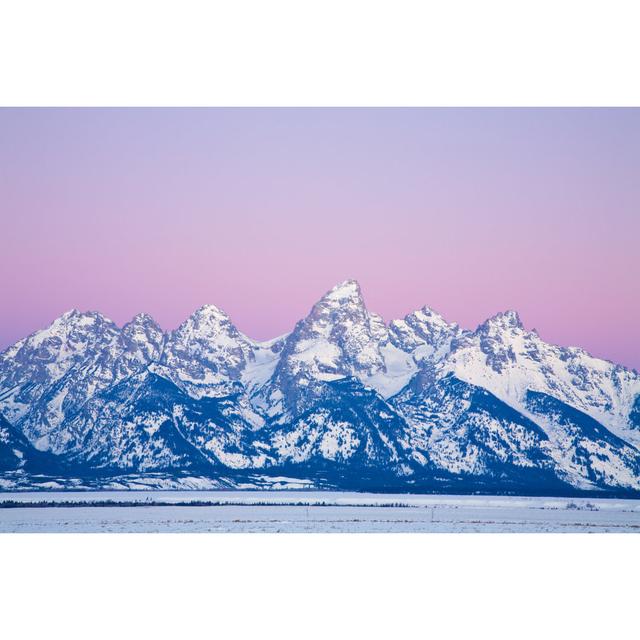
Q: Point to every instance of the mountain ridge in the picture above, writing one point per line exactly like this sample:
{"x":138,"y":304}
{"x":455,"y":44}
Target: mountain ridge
{"x":418,"y":403}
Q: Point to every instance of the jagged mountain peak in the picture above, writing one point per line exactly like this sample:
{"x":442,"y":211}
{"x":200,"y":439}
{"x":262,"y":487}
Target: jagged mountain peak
{"x":338,"y":317}
{"x":346,"y":290}
{"x":210,"y":311}
{"x":206,"y":354}
{"x":424,"y":333}
{"x":145,"y":337}
{"x":209,"y":314}
{"x":338,"y":338}
{"x":143,"y":324}
{"x":207,"y":323}
{"x":143,"y":319}
{"x":504,"y":320}
{"x":429,"y":317}
{"x":345,"y":300}
{"x":82,"y":318}
{"x":430,"y":313}
{"x":72,"y":332}
{"x":71,"y":313}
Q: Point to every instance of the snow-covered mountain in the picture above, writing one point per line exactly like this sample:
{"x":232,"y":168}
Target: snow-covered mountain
{"x":344,"y":400}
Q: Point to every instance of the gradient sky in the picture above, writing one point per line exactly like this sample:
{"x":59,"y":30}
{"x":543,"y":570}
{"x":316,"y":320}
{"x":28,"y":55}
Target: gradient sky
{"x":260,"y":211}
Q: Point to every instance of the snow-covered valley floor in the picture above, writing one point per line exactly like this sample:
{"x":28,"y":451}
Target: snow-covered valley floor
{"x":309,"y":511}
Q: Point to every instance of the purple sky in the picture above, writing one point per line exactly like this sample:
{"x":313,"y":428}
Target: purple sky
{"x":260,"y":211}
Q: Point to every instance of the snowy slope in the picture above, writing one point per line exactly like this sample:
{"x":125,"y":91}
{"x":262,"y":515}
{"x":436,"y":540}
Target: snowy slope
{"x":508,"y":360}
{"x":18,"y":456}
{"x":48,"y":376}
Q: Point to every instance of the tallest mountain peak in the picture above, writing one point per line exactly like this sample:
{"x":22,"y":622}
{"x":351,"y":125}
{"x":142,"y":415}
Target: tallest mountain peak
{"x":344,"y":300}
{"x":344,"y":291}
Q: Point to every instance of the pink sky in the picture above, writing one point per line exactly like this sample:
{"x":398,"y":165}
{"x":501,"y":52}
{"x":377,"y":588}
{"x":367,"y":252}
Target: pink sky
{"x":261,"y":211}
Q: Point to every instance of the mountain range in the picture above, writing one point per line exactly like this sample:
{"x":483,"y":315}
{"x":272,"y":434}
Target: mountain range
{"x":344,"y":401}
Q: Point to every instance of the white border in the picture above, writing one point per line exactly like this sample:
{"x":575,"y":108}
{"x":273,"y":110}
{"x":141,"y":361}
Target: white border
{"x":334,"y":52}
{"x":307,"y":586}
